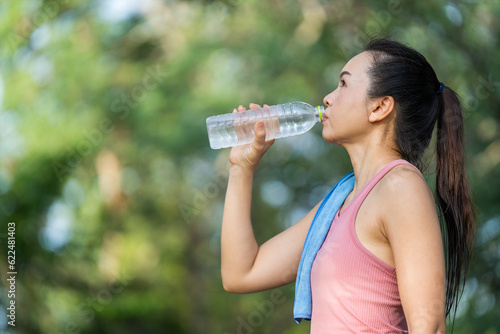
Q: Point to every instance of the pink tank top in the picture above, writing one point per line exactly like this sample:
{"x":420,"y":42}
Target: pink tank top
{"x":353,"y":291}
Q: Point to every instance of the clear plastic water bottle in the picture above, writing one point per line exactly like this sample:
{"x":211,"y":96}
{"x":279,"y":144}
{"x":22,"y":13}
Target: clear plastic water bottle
{"x":282,"y":120}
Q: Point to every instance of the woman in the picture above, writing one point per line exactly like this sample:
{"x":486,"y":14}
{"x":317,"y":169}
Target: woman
{"x":381,"y":268}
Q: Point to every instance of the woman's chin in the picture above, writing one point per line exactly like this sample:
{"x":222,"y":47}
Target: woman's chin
{"x":329,"y":137}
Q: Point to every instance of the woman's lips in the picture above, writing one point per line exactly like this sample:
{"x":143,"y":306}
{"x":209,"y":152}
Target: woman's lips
{"x":324,"y":119}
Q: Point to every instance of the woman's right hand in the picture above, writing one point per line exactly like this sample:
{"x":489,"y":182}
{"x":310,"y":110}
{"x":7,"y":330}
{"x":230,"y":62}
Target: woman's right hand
{"x":248,"y":156}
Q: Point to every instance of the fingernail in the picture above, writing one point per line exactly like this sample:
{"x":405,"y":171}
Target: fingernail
{"x":253,"y":104}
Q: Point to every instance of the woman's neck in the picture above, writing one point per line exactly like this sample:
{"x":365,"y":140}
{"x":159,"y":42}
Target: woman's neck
{"x":367,"y":161}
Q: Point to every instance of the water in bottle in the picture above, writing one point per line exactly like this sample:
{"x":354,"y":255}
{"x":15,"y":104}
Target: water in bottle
{"x":282,"y":120}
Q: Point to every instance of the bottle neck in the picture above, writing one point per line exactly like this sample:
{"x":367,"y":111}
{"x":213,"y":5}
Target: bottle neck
{"x":319,"y":112}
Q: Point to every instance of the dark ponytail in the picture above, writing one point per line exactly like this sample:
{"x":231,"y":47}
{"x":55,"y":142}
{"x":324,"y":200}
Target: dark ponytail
{"x":453,"y":194}
{"x":420,"y":102}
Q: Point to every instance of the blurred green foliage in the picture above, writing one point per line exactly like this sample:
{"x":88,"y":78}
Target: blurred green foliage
{"x":106,"y":170}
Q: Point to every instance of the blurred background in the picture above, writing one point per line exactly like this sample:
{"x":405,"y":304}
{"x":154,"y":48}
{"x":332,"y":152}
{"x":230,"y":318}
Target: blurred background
{"x":106,"y":170}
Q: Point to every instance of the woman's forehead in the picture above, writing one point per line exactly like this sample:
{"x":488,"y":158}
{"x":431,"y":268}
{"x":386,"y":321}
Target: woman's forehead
{"x":359,"y":64}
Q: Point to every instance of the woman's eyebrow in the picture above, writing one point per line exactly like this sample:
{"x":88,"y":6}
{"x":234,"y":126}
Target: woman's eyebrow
{"x":344,"y":73}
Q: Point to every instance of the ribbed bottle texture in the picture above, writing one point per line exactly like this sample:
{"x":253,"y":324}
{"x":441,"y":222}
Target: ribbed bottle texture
{"x":281,"y":120}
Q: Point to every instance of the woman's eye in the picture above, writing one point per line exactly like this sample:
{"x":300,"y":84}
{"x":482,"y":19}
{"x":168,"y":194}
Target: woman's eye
{"x":342,"y":83}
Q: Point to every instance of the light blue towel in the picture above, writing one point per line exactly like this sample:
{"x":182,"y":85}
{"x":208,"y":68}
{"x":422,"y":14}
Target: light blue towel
{"x":317,"y":233}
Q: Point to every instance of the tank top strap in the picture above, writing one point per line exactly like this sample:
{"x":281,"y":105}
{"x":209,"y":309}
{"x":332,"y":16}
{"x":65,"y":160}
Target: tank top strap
{"x":358,"y":200}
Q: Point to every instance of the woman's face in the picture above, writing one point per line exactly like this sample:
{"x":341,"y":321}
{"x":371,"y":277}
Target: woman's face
{"x":347,"y":106}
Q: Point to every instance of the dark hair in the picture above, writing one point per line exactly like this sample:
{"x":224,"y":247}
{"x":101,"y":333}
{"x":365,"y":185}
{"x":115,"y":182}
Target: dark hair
{"x":403,"y":73}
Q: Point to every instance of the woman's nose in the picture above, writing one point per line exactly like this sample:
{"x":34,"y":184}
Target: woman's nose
{"x":327,"y":100}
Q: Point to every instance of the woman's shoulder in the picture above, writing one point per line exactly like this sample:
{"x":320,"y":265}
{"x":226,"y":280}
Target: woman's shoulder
{"x":404,"y":184}
{"x":402,"y":178}
{"x":405,"y":202}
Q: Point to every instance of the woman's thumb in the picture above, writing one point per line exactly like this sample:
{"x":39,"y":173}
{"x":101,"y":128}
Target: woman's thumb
{"x":260,"y":134}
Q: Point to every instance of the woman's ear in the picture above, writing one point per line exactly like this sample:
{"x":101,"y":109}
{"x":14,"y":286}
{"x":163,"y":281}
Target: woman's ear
{"x":381,"y":108}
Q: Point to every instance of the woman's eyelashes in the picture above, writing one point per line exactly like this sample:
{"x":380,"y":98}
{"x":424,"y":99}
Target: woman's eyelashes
{"x":342,"y":83}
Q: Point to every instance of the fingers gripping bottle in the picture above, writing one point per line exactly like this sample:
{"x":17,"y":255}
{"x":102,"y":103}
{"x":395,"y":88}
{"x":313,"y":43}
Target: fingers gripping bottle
{"x":282,"y":120}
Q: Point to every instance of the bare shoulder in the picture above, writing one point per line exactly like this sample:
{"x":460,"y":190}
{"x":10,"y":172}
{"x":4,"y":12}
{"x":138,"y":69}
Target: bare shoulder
{"x":404,"y":182}
{"x":406,"y":198}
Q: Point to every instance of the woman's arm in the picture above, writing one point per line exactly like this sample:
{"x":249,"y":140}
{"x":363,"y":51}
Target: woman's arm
{"x":246,"y":267}
{"x":411,"y":225}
